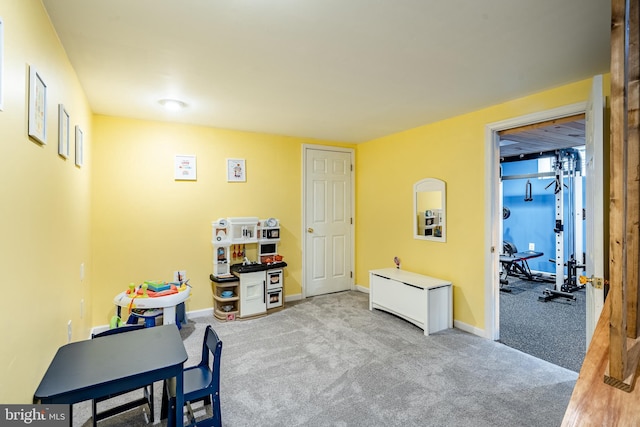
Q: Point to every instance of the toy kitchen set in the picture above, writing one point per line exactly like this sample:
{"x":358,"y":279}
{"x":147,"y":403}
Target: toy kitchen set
{"x":243,"y":287}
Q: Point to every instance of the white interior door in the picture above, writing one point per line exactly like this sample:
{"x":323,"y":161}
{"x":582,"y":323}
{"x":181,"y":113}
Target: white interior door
{"x":594,"y":202}
{"x":328,"y":253}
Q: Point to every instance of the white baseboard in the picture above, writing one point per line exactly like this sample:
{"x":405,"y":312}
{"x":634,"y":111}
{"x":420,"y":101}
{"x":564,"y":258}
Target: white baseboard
{"x":361,"y":288}
{"x":205,"y":312}
{"x":468,"y":328}
{"x":294,"y":297}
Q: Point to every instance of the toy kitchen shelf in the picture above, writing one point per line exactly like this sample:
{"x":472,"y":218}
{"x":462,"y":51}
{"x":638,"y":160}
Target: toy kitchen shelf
{"x":226,"y":308}
{"x":256,"y":286}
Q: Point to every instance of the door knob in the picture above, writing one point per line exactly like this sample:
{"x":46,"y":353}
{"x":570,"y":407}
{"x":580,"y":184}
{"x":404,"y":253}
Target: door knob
{"x":309,"y":230}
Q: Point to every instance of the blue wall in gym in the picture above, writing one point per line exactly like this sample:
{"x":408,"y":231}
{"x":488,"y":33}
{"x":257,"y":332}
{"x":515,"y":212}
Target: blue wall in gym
{"x":534,"y":221}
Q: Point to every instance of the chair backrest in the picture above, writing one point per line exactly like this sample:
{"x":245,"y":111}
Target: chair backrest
{"x":118,"y":330}
{"x":212,"y":346}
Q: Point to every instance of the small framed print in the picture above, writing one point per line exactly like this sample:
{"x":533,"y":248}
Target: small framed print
{"x":63,"y":132}
{"x":185,"y":168}
{"x":37,"y":107}
{"x":79,"y":146}
{"x":236,"y":171}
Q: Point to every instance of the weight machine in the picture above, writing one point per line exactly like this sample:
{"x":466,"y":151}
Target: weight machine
{"x":567,"y":180}
{"x":569,"y":236}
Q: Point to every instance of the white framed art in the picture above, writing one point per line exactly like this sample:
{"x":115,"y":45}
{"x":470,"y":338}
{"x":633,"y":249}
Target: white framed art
{"x":63,"y":132}
{"x":236,"y":171}
{"x":185,"y":168}
{"x":37,"y":106}
{"x":79,"y":146}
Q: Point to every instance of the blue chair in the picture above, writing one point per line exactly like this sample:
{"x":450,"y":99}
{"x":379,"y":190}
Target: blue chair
{"x":147,"y":398}
{"x":201,"y":383}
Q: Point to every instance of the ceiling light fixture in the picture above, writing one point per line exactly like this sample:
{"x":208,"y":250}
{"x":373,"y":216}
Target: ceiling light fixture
{"x":172,"y":104}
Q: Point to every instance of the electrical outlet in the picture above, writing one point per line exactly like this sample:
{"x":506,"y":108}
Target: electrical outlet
{"x":69,"y":332}
{"x":82,"y":308}
{"x":532,"y":246}
{"x":180,"y":275}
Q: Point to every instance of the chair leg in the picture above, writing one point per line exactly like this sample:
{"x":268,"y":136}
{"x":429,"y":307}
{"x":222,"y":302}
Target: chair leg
{"x":164,"y":407}
{"x":150,"y":399}
{"x":215,"y":408}
{"x":94,"y":412}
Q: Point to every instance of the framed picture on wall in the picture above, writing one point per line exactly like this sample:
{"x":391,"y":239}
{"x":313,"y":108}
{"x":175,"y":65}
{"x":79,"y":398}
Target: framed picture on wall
{"x":37,"y":106}
{"x":185,"y":168}
{"x":236,"y":171}
{"x":79,"y":146}
{"x":63,"y":132}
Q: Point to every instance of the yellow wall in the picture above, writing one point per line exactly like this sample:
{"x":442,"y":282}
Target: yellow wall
{"x":453,"y":151}
{"x":44,"y":208}
{"x":146,"y":225}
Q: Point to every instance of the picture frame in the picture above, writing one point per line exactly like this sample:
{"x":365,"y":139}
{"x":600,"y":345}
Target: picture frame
{"x":79,"y":146}
{"x":236,"y":170}
{"x":64,"y":132}
{"x":37,"y":106}
{"x":185,"y":168}
{"x":1,"y":62}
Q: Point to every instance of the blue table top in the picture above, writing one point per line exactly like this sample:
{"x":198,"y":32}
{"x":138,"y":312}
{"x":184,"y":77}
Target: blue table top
{"x":93,"y":368}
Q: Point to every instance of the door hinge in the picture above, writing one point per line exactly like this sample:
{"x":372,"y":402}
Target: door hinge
{"x":351,"y":220}
{"x":351,"y":274}
{"x":351,"y":166}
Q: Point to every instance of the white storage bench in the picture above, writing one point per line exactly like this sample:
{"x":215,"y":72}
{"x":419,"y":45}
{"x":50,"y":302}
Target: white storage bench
{"x":422,"y":300}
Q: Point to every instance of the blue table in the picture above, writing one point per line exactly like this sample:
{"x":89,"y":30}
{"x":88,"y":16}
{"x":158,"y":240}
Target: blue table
{"x":90,"y":369}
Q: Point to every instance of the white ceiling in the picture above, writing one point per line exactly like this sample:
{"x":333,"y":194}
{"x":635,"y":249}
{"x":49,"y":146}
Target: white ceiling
{"x":344,"y":70}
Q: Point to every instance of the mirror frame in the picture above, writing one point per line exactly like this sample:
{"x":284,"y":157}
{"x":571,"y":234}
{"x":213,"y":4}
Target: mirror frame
{"x":425,"y":185}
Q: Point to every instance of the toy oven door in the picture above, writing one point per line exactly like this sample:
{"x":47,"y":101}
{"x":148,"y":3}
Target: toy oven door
{"x":274,"y":298}
{"x":274,"y":279}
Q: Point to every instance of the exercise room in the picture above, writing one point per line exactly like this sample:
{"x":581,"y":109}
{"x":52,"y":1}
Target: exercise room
{"x":544,"y":183}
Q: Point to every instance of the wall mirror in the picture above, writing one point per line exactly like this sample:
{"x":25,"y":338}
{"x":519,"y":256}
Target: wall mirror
{"x":429,"y":210}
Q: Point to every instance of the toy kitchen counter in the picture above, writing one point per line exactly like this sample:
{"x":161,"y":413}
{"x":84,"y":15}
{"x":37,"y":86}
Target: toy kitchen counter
{"x":254,"y":266}
{"x":246,"y":289}
{"x":252,"y":290}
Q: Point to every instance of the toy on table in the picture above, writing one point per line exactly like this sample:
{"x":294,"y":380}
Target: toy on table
{"x":154,"y":289}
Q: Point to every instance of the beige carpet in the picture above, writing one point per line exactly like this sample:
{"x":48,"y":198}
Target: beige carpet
{"x":329,"y":361}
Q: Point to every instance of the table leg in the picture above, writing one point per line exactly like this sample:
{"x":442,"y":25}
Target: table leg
{"x":169,"y":315}
{"x":180,"y":399}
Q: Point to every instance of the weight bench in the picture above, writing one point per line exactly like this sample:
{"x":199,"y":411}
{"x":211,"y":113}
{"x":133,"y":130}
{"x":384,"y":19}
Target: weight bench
{"x":516,"y":265}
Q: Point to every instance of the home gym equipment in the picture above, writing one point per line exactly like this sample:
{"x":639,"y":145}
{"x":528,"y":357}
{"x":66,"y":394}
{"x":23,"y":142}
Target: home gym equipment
{"x":566,"y":181}
{"x":567,"y":167}
{"x":528,"y":195}
{"x":514,"y":263}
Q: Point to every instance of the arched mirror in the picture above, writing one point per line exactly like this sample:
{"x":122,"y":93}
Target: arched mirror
{"x":429,"y":210}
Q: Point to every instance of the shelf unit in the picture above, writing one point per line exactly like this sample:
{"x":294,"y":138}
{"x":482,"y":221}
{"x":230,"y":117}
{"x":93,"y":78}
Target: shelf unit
{"x":219,"y":302}
{"x":228,"y":232}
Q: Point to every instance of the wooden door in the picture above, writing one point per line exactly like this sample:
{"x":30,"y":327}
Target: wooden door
{"x":328,"y":222}
{"x":594,"y":203}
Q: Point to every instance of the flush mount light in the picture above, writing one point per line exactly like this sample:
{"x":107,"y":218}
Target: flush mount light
{"x":172,"y":104}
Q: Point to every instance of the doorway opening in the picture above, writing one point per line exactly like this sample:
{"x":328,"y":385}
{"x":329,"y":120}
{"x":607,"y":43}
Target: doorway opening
{"x":542,"y":304}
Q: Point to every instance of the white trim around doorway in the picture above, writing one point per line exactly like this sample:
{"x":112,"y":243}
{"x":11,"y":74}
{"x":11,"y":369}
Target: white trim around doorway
{"x":492,"y":206}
